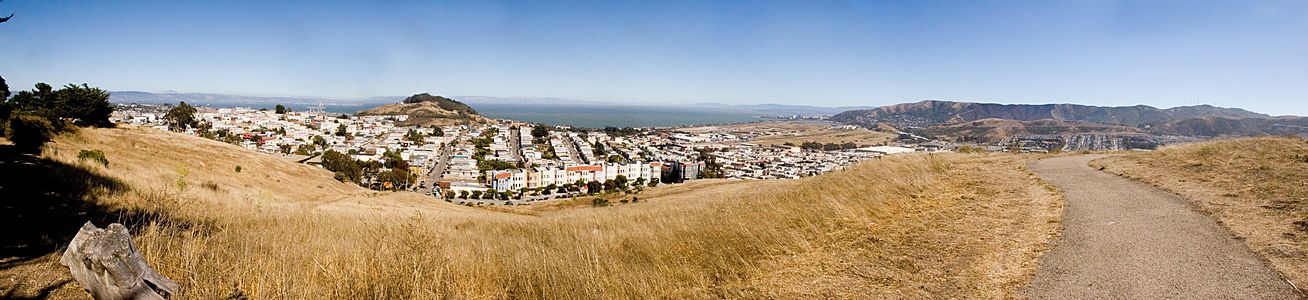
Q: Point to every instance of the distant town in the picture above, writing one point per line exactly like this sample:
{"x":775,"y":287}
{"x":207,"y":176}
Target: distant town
{"x":511,"y":162}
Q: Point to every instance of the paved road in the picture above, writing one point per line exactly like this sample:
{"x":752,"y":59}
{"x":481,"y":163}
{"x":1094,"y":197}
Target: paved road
{"x":515,"y":145}
{"x":1127,"y":240}
{"x":437,"y":172}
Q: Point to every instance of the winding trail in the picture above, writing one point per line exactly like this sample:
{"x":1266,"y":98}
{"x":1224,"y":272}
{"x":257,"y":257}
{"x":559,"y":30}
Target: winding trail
{"x":1126,"y":240}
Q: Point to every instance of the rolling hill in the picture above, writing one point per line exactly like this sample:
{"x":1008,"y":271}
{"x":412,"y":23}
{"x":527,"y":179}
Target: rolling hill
{"x":998,"y":129}
{"x":990,"y":122}
{"x":425,"y":109}
{"x":1211,"y":126}
{"x":935,"y":112}
{"x":905,"y":227}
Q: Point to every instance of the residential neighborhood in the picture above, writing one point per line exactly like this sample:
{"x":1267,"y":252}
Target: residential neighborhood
{"x":508,"y":162}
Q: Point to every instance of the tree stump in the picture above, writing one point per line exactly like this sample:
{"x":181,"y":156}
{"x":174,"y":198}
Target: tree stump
{"x":105,"y":262}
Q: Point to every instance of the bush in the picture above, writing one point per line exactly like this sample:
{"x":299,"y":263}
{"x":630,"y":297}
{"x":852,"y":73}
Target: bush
{"x":94,"y":156}
{"x":599,"y":202}
{"x":970,"y":149}
{"x":238,"y":169}
{"x":29,"y":132}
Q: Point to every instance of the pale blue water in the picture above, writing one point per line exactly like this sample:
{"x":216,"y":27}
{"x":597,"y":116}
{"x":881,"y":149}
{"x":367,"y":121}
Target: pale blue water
{"x":591,"y":116}
{"x":598,"y":116}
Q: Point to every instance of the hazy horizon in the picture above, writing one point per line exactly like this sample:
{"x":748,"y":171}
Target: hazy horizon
{"x":584,"y":102}
{"x":1243,"y":54}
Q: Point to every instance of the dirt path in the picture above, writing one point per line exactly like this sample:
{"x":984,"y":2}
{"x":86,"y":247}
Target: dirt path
{"x":1123,"y":239}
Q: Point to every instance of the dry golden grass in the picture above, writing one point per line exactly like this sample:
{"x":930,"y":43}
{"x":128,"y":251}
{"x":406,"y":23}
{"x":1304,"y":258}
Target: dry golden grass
{"x":859,"y":136}
{"x":695,"y":189}
{"x":1257,"y":187}
{"x":906,"y":227}
{"x":424,"y":114}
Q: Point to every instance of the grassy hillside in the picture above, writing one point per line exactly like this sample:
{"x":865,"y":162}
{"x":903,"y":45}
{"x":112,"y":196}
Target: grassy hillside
{"x":905,"y":227}
{"x":1256,"y":187}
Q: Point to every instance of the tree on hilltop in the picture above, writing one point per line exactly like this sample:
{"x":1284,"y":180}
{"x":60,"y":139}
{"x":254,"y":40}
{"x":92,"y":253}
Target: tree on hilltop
{"x":442,"y":102}
{"x":4,"y":89}
{"x":279,"y":109}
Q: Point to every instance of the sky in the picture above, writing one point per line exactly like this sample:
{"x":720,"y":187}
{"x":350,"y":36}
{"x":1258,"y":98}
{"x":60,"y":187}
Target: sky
{"x":1249,"y":53}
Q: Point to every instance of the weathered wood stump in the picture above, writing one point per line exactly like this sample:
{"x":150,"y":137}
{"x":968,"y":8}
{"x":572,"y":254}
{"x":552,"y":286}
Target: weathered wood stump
{"x":106,"y":263}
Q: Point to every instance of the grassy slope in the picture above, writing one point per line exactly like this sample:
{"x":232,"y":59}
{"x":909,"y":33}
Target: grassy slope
{"x":424,"y":114}
{"x":911,"y":226}
{"x":838,"y":136}
{"x":1258,"y":188}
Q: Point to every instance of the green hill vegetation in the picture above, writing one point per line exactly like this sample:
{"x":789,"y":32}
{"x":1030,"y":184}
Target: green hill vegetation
{"x":442,"y":102}
{"x":425,"y":109}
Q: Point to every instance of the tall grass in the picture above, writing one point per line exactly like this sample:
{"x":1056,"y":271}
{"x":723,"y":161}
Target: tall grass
{"x":912,"y":226}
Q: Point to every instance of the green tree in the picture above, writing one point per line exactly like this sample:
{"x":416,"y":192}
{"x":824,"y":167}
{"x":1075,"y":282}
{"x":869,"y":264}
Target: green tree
{"x":305,"y":149}
{"x":180,"y":117}
{"x":319,"y":141}
{"x":620,"y":182}
{"x":414,"y":136}
{"x":87,"y":105}
{"x":399,"y":178}
{"x":279,"y":109}
{"x":40,"y":102}
{"x":393,"y":160}
{"x":540,"y":131}
{"x":340,"y":130}
{"x":5,"y":109}
{"x":4,"y":89}
{"x":436,"y":131}
{"x":345,"y":167}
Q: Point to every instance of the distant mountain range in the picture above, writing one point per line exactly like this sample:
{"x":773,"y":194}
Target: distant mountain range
{"x":936,"y":112}
{"x":976,"y":120}
{"x":226,"y":99}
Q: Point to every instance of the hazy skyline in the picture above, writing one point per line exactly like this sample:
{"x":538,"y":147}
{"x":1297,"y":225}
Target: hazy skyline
{"x":1246,"y":54}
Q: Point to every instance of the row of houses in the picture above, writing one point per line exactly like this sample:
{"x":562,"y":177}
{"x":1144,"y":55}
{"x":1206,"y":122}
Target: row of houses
{"x":541,"y":176}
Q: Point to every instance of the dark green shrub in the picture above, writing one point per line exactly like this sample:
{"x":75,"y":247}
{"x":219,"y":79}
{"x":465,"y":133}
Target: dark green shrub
{"x":599,"y":202}
{"x":94,"y":156}
{"x":29,"y":132}
{"x":238,"y":169}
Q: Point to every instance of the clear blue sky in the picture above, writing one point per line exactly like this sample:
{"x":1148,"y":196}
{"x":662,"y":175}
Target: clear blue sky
{"x":1247,"y":53}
